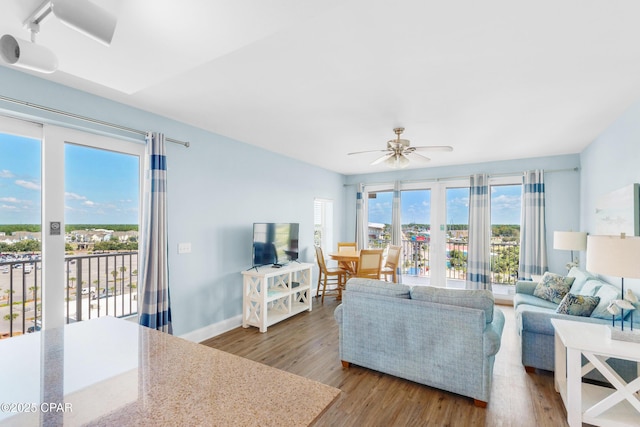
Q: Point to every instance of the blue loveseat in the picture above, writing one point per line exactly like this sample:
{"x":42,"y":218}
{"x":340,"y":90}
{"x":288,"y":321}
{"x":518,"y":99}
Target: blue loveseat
{"x":534,"y":314}
{"x":443,"y":338}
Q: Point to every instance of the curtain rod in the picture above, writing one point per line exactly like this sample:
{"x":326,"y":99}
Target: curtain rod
{"x":86,"y":119}
{"x":451,"y":178}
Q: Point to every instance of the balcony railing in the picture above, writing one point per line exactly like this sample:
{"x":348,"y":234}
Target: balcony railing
{"x":95,"y":285}
{"x":416,"y":259}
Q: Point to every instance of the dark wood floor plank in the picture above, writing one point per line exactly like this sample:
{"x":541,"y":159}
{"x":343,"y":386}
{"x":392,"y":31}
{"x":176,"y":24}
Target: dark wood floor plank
{"x":307,"y":345}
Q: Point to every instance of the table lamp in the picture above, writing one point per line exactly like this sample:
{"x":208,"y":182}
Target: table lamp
{"x":570,"y":241}
{"x":615,"y":256}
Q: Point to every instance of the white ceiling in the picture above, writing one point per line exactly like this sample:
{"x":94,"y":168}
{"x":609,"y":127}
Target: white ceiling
{"x":314,"y":80}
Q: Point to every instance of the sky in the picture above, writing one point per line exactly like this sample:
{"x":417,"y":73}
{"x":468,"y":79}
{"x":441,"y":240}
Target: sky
{"x":416,"y":206}
{"x":101,"y":187}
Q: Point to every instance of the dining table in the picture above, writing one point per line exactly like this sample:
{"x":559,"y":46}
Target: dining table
{"x":347,"y":259}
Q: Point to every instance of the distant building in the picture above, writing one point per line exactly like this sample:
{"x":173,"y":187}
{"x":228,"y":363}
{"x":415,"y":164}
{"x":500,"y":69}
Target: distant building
{"x":376,"y":231}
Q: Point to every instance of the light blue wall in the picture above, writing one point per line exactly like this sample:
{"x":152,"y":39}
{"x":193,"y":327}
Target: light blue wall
{"x":608,"y":164}
{"x":562,"y":192}
{"x":217,"y":189}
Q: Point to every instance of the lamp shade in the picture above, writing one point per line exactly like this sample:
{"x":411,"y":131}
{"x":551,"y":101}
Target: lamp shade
{"x":397,"y":161}
{"x":570,"y":240}
{"x":617,"y":256}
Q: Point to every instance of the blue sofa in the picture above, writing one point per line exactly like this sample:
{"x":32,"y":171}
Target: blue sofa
{"x":533,"y":318}
{"x":443,"y":338}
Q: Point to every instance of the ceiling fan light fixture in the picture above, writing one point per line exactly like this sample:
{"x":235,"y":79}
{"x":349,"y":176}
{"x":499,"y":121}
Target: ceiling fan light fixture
{"x":397,"y":161}
{"x":87,"y":18}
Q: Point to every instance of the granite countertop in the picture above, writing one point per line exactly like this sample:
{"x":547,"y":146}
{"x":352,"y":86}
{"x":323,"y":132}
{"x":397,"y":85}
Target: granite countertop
{"x":109,"y":371}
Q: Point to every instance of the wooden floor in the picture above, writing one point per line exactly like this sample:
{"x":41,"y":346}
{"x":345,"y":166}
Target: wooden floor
{"x":307,"y":345}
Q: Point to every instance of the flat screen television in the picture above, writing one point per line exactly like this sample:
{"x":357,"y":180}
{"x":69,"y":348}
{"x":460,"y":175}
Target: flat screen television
{"x":274,"y":243}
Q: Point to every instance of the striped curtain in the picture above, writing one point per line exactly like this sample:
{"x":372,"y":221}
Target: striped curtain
{"x":361,"y":222}
{"x":155,"y":311}
{"x":533,"y":244}
{"x":479,"y":253}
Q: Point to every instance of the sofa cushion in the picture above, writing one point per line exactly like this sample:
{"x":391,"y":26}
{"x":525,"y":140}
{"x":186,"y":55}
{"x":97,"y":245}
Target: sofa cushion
{"x":553,"y":287}
{"x":480,"y":299}
{"x":591,"y":287}
{"x":578,"y":305}
{"x":607,"y":293}
{"x":378,"y":287}
{"x":581,"y":277}
{"x":534,"y":301}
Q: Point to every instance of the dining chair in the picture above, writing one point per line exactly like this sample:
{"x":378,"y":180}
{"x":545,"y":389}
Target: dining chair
{"x":370,"y":263}
{"x":347,"y":246}
{"x":391,"y":264}
{"x":329,"y":276}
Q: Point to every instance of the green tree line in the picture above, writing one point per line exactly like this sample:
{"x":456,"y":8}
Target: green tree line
{"x":9,"y":229}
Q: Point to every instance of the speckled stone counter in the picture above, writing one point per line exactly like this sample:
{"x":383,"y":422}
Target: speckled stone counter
{"x":113,"y":372}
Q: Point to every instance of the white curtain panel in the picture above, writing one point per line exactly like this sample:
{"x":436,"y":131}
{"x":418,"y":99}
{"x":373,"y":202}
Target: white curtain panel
{"x":479,"y":252}
{"x":155,"y":310}
{"x":396,"y":224}
{"x":533,"y":244}
{"x":396,"y":218}
{"x":361,"y":222}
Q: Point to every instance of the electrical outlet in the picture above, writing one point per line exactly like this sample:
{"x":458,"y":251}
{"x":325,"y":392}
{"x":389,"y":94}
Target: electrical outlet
{"x":184,"y":248}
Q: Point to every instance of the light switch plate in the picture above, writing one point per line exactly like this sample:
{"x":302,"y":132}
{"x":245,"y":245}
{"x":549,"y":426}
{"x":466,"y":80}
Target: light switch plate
{"x":184,"y":248}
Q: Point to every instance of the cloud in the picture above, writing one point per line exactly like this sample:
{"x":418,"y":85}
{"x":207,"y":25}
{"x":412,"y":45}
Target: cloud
{"x":6,"y":174}
{"x":28,"y":185}
{"x":74,"y":196}
{"x":9,"y":200}
{"x":89,"y":203}
{"x":8,"y":208}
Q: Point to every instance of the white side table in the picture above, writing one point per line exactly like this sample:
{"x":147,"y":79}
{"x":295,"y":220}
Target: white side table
{"x":588,"y":403}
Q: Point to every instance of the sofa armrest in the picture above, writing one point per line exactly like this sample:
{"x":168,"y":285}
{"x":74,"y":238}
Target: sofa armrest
{"x":337,"y":314}
{"x":493,"y":333}
{"x":525,"y":287}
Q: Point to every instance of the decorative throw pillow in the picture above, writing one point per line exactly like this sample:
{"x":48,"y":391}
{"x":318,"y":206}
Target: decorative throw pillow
{"x":607,"y":293}
{"x":577,"y":305}
{"x":553,"y":287}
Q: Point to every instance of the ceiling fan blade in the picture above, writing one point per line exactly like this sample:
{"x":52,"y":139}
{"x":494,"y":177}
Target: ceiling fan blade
{"x":368,"y":151}
{"x":420,"y":157}
{"x":382,"y":159}
{"x":435,"y":148}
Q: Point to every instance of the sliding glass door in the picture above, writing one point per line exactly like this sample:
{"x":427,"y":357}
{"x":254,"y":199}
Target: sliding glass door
{"x":67,"y":200}
{"x":20,"y":227}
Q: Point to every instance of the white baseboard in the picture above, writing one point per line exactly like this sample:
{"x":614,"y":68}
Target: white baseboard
{"x":213,"y":330}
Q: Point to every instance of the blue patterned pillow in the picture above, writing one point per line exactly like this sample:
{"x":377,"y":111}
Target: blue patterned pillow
{"x":578,"y":305}
{"x":553,"y":287}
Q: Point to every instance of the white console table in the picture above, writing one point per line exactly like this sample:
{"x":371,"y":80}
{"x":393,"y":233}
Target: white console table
{"x":271,"y":295}
{"x":588,"y":403}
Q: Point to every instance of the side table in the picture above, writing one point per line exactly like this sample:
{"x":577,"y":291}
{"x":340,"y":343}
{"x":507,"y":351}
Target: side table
{"x":588,"y":403}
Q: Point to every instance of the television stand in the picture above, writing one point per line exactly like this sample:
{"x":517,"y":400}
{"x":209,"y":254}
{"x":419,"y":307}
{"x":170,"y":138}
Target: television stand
{"x":272,"y":295}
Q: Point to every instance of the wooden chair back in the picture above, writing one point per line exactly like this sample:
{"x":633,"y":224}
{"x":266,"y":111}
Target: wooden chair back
{"x":370,"y":263}
{"x":346,"y":246}
{"x":393,"y":256}
{"x":320,"y":258}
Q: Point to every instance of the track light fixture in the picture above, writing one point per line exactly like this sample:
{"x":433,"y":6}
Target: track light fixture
{"x":28,"y":55}
{"x":81,"y":15}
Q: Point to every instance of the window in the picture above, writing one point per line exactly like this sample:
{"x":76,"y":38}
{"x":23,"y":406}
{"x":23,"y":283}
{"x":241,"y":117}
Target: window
{"x":323,"y":224}
{"x":506,"y":206}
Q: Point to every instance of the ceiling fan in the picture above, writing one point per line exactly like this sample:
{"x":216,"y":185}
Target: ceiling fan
{"x":398,"y":150}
